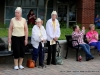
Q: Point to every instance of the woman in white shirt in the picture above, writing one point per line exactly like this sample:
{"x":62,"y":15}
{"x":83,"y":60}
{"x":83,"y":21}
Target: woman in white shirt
{"x":38,"y":38}
{"x":53,"y":33}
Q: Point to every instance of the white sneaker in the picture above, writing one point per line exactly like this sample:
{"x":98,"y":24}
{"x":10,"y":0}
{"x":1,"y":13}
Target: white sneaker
{"x":16,"y":67}
{"x":21,"y":67}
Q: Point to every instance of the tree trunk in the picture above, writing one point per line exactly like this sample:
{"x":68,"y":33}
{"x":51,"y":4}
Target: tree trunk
{"x":45,"y":15}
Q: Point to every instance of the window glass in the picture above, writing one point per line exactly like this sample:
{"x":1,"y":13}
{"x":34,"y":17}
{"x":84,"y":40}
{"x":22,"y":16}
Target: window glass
{"x":41,"y":13}
{"x":97,"y":7}
{"x":10,"y":12}
{"x":7,"y":23}
{"x":49,"y":13}
{"x":40,"y":3}
{"x":13,"y":2}
{"x":29,"y":3}
{"x":72,"y":11}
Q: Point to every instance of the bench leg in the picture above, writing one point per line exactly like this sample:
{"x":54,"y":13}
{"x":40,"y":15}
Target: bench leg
{"x":66,"y":53}
{"x":77,"y":54}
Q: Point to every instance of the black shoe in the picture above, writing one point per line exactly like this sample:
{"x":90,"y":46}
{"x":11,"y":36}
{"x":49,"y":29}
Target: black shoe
{"x":48,"y":63}
{"x":88,"y":59}
{"x":35,"y":65}
{"x":92,"y":58}
{"x":53,"y":63}
{"x":42,"y":65}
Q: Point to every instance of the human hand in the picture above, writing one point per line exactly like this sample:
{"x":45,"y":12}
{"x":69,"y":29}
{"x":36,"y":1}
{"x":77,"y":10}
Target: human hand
{"x":26,"y":42}
{"x":43,"y":40}
{"x":55,"y":39}
{"x":9,"y":40}
{"x":83,"y":28}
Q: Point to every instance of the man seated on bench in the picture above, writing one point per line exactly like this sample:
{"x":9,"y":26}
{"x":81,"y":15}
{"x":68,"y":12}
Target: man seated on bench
{"x":78,"y":35}
{"x":92,"y":37}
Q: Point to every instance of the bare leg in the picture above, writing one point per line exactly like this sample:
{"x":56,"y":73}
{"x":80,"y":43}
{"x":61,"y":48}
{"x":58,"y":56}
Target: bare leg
{"x":20,"y":61}
{"x":15,"y":62}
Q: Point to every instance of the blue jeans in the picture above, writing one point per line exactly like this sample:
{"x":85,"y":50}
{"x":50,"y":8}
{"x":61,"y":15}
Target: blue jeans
{"x":38,"y":52}
{"x":86,"y":49}
{"x":96,"y":44}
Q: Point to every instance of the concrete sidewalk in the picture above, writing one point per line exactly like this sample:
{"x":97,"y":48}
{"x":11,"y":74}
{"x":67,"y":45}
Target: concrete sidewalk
{"x":70,"y":67}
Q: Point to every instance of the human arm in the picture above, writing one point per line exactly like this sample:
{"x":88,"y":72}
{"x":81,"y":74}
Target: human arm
{"x":83,"y":30}
{"x":10,"y":30}
{"x":26,"y":32}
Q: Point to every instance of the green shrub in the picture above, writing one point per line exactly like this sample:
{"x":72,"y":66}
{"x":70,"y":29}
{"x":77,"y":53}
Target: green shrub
{"x":63,"y":24}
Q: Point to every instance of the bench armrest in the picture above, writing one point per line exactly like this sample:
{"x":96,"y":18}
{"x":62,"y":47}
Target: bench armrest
{"x":77,"y":43}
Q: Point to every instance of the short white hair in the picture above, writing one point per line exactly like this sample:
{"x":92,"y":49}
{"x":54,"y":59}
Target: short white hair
{"x":38,"y":20}
{"x":54,"y":13}
{"x":18,"y":9}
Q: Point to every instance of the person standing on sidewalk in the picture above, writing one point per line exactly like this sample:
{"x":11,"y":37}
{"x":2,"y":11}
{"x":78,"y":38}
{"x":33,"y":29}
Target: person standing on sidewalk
{"x":38,"y":39}
{"x":53,"y":33}
{"x":18,"y":37}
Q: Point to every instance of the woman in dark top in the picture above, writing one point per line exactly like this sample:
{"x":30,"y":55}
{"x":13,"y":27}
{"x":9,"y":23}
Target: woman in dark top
{"x":31,"y":17}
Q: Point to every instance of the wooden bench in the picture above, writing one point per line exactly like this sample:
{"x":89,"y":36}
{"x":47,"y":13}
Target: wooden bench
{"x":69,"y":41}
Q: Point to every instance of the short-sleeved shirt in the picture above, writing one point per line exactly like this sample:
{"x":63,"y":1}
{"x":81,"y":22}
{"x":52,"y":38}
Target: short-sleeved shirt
{"x":90,"y":34}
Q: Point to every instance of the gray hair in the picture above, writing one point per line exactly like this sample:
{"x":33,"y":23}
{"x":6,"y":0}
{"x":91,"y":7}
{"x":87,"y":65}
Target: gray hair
{"x":18,"y":9}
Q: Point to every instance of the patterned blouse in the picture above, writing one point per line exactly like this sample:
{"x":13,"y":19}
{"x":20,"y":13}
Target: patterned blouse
{"x":79,"y":37}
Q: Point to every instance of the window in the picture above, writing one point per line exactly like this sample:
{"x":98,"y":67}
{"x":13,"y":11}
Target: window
{"x":13,"y":2}
{"x":41,"y":13}
{"x":97,"y":7}
{"x":36,"y":5}
{"x":29,"y":3}
{"x":41,"y":3}
{"x":10,"y":12}
{"x":72,"y":12}
{"x":49,"y":13}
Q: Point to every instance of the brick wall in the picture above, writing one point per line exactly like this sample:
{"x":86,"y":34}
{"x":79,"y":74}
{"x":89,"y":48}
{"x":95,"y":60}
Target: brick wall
{"x":85,"y":12}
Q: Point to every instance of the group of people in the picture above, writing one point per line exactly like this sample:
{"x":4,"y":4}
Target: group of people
{"x":18,"y":37}
{"x":91,"y":36}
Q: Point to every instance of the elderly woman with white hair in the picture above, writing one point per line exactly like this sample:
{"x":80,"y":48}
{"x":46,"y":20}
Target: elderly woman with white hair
{"x":18,"y":37}
{"x":53,"y":33}
{"x":38,"y":38}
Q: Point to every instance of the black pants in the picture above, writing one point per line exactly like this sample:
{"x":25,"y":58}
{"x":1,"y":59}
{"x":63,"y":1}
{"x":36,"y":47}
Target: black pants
{"x":51,"y":53}
{"x":18,"y":47}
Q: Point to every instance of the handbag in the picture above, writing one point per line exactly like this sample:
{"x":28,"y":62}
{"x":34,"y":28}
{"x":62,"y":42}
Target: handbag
{"x":30,"y":63}
{"x":59,"y":59}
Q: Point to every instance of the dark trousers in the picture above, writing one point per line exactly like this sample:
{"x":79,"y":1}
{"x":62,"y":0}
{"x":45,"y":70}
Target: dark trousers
{"x":18,"y":46}
{"x":51,"y":54}
{"x":38,"y":52}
